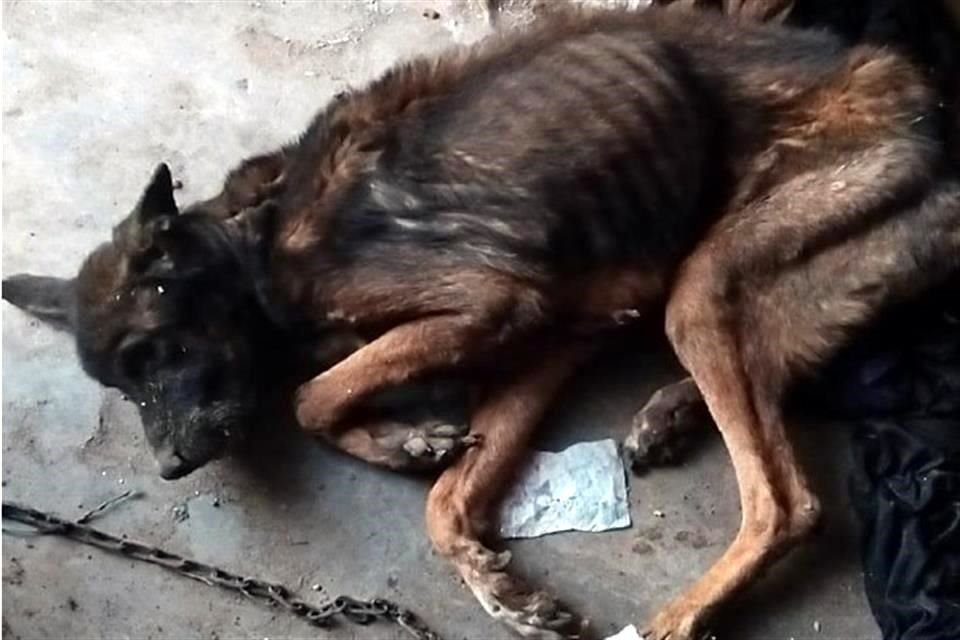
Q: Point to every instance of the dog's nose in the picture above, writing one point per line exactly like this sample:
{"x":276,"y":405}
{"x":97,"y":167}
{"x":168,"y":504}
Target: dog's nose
{"x":172,"y":465}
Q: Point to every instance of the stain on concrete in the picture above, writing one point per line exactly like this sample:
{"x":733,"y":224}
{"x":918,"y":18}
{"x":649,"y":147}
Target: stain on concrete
{"x":640,"y":547}
{"x":695,"y":540}
{"x":13,"y":573}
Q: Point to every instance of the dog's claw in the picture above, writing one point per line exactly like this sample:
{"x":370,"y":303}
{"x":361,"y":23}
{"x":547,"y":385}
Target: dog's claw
{"x":471,"y":440}
{"x":501,"y":560}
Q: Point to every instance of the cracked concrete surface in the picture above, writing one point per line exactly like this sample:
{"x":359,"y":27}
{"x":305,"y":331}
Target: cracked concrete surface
{"x":96,"y":94}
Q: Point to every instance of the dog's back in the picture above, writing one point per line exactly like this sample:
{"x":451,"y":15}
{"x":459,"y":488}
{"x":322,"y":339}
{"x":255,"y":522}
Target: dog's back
{"x":599,"y":143}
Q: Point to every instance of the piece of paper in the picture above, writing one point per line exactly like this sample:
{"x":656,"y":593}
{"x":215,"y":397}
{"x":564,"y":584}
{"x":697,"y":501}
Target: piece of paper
{"x":582,"y":488}
{"x":629,"y":632}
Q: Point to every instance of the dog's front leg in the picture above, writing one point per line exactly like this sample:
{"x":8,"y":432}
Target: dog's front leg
{"x":459,"y":505}
{"x":402,"y":354}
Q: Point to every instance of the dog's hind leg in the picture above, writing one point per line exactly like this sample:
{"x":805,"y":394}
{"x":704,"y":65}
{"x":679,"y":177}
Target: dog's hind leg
{"x":779,"y":287}
{"x":459,"y":505}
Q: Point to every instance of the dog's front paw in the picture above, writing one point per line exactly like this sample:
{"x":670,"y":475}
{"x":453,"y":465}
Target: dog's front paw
{"x":528,"y":612}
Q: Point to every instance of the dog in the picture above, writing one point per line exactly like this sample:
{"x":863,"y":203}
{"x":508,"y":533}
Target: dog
{"x":493,"y":211}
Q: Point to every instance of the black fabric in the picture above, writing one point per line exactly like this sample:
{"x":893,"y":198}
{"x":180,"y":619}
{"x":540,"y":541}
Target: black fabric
{"x":906,"y":497}
{"x":903,"y":387}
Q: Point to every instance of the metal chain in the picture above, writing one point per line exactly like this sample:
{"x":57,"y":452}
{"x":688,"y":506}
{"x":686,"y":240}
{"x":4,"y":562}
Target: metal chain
{"x":361,"y":612}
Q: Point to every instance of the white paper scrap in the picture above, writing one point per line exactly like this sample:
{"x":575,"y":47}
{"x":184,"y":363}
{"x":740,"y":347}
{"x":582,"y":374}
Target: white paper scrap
{"x":629,"y":632}
{"x":582,"y":488}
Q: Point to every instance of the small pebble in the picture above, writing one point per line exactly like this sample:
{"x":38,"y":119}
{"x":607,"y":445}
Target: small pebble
{"x":316,"y":587}
{"x":120,"y":481}
{"x":431,"y":14}
{"x":816,"y":626}
{"x":196,"y":493}
{"x":160,"y":289}
{"x":658,"y":514}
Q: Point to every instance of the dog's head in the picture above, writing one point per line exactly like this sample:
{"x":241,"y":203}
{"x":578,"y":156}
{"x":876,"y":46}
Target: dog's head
{"x":168,"y":312}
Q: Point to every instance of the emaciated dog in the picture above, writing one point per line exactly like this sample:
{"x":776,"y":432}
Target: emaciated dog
{"x":493,"y":209}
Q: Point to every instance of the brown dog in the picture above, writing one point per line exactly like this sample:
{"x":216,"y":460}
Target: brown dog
{"x":486,"y":210}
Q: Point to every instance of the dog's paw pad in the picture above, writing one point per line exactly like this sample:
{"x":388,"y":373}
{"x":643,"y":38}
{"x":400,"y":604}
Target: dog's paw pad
{"x":436,"y":445}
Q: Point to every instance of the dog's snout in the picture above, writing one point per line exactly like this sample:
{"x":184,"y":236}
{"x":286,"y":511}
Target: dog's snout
{"x":172,"y":464}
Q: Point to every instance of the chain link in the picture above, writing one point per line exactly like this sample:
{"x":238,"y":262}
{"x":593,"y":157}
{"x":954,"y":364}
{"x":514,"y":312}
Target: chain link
{"x":360,"y":612}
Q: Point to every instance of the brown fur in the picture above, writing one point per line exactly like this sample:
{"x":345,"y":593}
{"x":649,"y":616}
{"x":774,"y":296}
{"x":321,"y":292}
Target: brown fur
{"x":773,"y":190}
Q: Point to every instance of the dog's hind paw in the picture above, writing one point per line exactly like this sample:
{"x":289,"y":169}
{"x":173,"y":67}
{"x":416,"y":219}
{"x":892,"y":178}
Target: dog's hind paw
{"x":424,"y":447}
{"x":528,"y":612}
{"x":676,"y":623}
{"x":436,"y":445}
{"x":662,"y":430}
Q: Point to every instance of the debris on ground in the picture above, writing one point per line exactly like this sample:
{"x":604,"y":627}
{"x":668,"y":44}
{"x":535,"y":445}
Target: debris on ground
{"x":180,"y":512}
{"x":14,"y":575}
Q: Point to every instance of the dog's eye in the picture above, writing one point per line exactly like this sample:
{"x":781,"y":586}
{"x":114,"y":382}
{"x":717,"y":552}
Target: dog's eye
{"x":144,"y":356}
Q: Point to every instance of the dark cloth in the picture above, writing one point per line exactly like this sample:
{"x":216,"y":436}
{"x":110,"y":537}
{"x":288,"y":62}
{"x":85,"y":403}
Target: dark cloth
{"x":903,"y":387}
{"x":907,"y":498}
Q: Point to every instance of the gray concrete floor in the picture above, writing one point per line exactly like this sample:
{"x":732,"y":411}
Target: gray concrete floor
{"x":94,"y":95}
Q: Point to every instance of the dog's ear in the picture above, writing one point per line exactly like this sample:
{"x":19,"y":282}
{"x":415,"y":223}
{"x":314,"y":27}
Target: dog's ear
{"x":157,"y":199}
{"x":50,"y":299}
{"x":249,"y":185}
{"x":156,"y":205}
